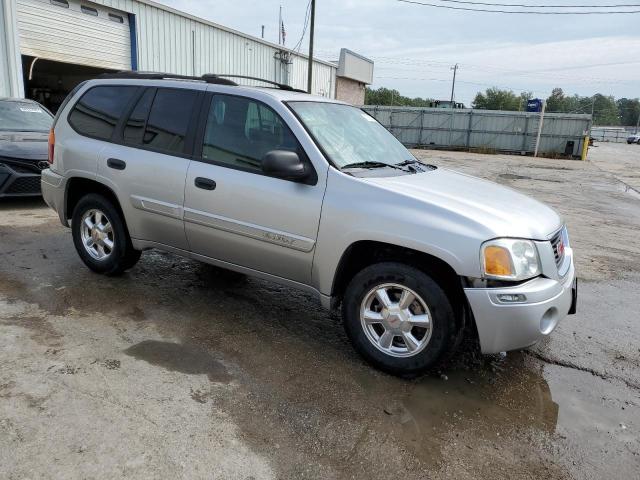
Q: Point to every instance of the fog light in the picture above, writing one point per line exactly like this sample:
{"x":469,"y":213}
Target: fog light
{"x":512,"y":298}
{"x":549,"y":321}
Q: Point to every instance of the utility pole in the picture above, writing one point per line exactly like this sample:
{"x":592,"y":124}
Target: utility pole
{"x":263,"y":32}
{"x":540,"y":125}
{"x":311,"y":32}
{"x":453,"y":86}
{"x":638,"y":123}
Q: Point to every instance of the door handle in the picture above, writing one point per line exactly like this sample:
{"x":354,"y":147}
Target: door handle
{"x":116,"y":164}
{"x":205,"y":183}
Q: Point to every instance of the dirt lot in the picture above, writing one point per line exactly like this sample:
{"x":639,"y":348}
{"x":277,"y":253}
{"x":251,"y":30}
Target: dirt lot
{"x":179,"y":370}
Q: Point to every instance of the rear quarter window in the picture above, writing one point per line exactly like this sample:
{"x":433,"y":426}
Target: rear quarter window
{"x":99,"y":109}
{"x":169,"y":119}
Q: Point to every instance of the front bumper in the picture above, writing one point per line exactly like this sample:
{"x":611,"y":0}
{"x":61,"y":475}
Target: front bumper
{"x":19,"y":179}
{"x":506,"y":326}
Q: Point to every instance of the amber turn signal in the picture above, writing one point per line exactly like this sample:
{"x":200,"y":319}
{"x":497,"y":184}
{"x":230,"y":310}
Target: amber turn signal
{"x":52,"y":144}
{"x":497,"y":261}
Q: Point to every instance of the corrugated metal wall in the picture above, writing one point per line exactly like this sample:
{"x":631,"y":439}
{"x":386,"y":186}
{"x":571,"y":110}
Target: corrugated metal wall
{"x":487,"y":129}
{"x":611,"y":134}
{"x":172,"y":42}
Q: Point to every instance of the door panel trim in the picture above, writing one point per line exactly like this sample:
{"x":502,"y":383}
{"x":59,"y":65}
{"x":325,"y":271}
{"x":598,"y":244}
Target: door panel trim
{"x":155,"y":206}
{"x":257,"y":232}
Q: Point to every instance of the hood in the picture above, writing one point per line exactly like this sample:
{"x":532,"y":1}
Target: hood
{"x":498,"y":209}
{"x":24,"y":145}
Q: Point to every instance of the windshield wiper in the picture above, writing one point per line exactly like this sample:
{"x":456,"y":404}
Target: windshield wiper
{"x":412,"y":161}
{"x":369,"y":164}
{"x":409,"y":161}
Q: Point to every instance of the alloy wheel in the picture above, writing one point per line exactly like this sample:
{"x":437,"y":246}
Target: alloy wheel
{"x":97,"y":234}
{"x":396,"y":320}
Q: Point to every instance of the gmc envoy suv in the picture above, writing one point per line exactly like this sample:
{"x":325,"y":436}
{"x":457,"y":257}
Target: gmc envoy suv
{"x":314,"y":194}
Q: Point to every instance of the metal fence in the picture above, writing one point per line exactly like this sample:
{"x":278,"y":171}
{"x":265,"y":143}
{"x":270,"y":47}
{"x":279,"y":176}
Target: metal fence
{"x":611,"y":134}
{"x":514,"y":132}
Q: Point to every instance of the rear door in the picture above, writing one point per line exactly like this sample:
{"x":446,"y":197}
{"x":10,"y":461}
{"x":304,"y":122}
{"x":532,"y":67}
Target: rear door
{"x":147,"y":162}
{"x":236,"y":213}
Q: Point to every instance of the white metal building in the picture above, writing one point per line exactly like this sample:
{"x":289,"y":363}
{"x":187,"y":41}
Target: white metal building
{"x":48,"y":46}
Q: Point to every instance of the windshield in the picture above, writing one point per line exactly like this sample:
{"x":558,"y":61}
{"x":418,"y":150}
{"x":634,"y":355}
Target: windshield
{"x":24,"y":117}
{"x":349,"y":136}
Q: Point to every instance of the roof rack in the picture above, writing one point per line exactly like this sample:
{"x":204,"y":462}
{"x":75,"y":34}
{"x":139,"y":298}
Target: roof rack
{"x":281,"y":86}
{"x":208,"y":78}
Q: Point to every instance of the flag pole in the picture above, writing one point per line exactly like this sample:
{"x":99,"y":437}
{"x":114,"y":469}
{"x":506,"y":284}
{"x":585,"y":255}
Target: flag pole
{"x":280,"y":27}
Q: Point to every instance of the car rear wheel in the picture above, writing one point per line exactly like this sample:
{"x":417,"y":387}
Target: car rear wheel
{"x":100,"y":236}
{"x":398,"y":318}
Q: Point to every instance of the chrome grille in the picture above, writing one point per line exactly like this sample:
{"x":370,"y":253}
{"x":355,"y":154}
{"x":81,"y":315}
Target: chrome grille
{"x":558,"y":245}
{"x":24,"y":166}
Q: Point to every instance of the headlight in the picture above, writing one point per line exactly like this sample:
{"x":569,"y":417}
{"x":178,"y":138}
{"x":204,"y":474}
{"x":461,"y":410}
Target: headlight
{"x":509,"y":259}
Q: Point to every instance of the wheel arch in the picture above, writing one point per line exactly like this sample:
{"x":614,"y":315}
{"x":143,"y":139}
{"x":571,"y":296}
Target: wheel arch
{"x":363,"y":253}
{"x":78,"y":187}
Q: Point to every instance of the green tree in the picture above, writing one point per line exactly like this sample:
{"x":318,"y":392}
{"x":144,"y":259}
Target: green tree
{"x":629,"y":111}
{"x":386,"y":96}
{"x":557,"y":102}
{"x":605,"y":110}
{"x":497,"y":99}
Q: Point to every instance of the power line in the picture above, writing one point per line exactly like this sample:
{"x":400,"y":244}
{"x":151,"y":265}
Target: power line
{"x":521,"y":5}
{"x":457,"y":81}
{"x":522,"y":12}
{"x":304,"y":29}
{"x":414,"y":62}
{"x":533,"y":76}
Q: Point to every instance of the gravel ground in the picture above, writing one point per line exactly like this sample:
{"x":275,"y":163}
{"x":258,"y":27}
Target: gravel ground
{"x":181,"y":370}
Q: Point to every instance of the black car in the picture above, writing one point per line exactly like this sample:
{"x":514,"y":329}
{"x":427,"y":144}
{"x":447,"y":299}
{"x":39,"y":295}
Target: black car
{"x":24,"y":129}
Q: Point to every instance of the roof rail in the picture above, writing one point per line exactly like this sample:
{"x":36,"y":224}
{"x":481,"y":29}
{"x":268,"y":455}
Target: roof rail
{"x":281,"y":86}
{"x":132,"y":74}
{"x":219,"y":79}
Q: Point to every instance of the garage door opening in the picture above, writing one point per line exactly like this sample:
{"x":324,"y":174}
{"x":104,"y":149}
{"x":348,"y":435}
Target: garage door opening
{"x":49,"y":82}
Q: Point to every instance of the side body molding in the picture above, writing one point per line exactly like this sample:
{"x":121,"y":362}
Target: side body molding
{"x":284,"y":239}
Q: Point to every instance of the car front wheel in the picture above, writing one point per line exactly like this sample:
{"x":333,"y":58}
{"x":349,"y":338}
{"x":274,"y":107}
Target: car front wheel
{"x":398,"y":318}
{"x":100,"y":236}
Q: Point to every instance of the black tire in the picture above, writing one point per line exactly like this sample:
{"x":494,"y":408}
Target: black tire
{"x":123,"y":256}
{"x":444,"y":331}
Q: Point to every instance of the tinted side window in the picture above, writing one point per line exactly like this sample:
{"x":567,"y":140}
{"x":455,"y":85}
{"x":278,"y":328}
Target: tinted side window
{"x":169,"y":120}
{"x":98,"y":110}
{"x":240,"y":132}
{"x":136,"y":122}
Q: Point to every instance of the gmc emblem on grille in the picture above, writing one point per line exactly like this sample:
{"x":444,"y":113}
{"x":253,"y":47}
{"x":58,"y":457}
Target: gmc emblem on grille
{"x":560,"y":248}
{"x":42,"y":165}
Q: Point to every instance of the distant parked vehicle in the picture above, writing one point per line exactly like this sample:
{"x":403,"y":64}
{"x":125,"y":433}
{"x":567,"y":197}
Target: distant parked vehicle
{"x":635,"y":138}
{"x":24,"y":130}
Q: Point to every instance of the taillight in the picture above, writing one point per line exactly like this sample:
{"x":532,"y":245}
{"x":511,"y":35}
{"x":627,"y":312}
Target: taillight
{"x":52,"y":144}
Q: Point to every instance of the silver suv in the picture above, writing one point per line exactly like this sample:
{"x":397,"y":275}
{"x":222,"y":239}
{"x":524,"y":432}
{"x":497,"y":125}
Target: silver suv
{"x":314,"y":194}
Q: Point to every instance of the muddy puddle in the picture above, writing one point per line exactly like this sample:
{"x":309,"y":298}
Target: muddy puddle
{"x":175,"y":357}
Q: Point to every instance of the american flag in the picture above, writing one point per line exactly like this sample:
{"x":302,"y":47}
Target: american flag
{"x":284,"y":34}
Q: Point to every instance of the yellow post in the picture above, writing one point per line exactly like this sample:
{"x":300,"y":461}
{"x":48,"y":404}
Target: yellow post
{"x":585,"y":147}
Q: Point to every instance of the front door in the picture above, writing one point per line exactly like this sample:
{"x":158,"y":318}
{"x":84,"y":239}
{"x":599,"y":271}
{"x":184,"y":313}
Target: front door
{"x":236,"y":213}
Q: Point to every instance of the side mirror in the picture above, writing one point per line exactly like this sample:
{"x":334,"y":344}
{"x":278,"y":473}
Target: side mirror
{"x":284,"y":164}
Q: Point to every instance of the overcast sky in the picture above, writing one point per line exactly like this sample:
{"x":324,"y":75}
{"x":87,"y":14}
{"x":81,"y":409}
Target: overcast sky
{"x":414,"y":46}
